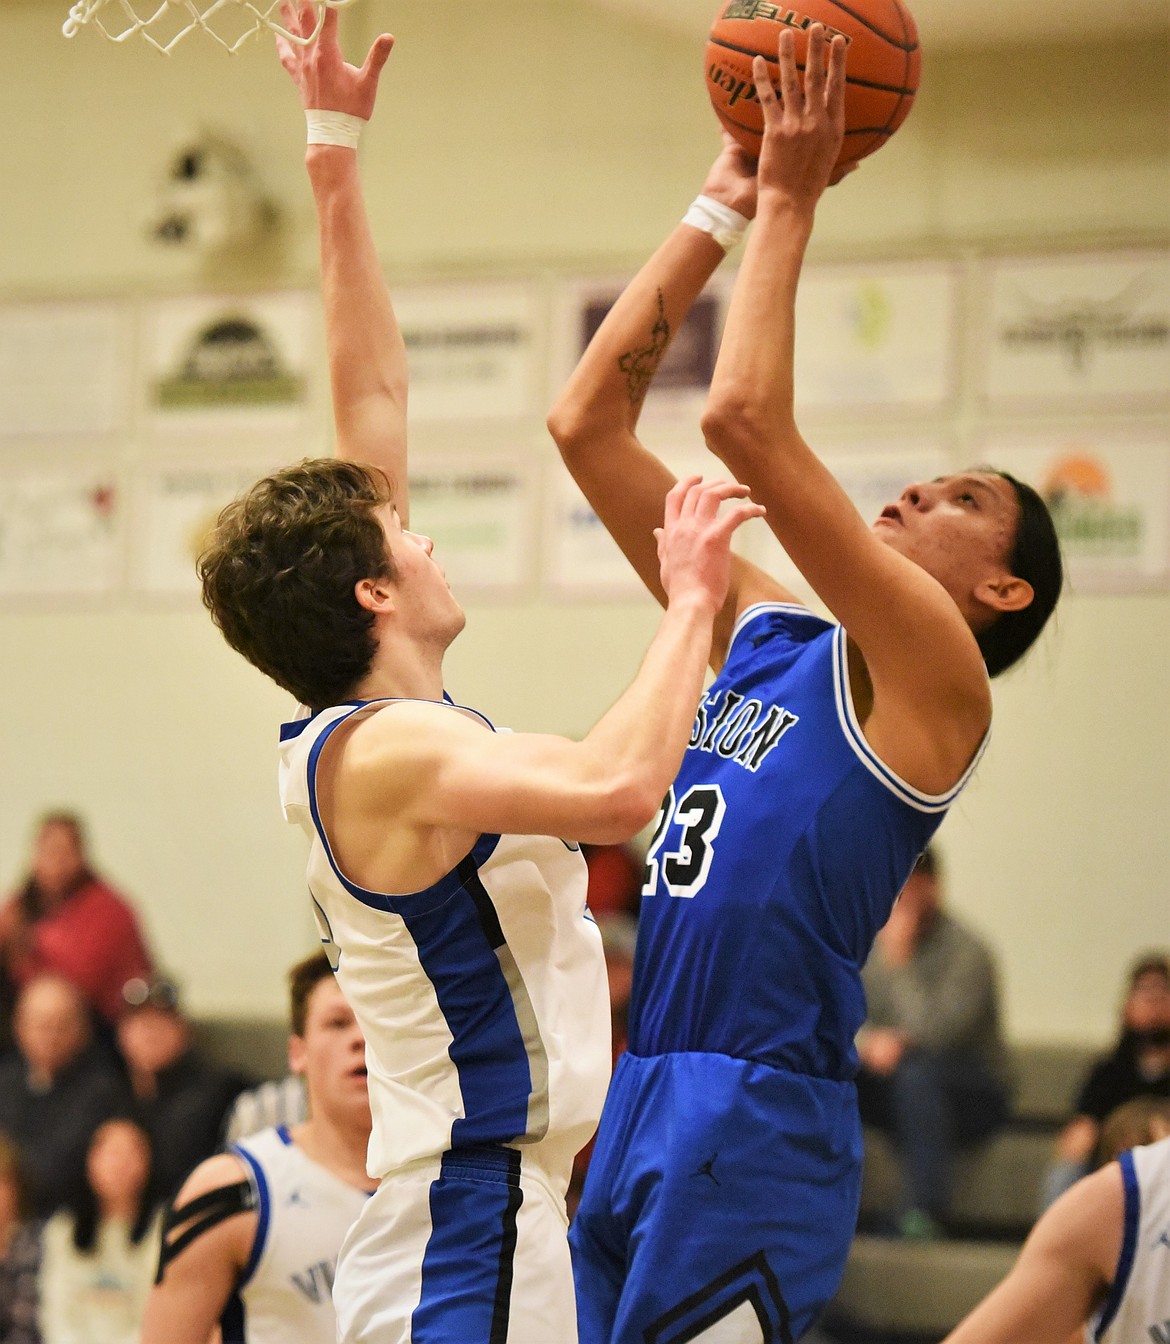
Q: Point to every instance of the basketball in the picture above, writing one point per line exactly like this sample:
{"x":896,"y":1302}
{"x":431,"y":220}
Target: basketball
{"x":882,"y":69}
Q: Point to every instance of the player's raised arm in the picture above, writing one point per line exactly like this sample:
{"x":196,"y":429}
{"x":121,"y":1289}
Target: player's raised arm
{"x":367,"y":358}
{"x":920,"y":661}
{"x":429,"y":768}
{"x":594,"y":420}
{"x":199,"y":1270}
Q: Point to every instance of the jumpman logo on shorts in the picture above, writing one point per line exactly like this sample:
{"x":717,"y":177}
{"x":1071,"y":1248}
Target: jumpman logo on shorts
{"x":708,"y":1169}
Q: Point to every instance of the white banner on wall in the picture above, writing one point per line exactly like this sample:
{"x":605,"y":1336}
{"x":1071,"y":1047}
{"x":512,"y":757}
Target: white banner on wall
{"x":175,"y":512}
{"x":581,"y":559}
{"x":1109,"y":492}
{"x":64,"y":368}
{"x":1089,"y":328}
{"x":481,"y":515}
{"x":239,"y":363}
{"x":473,"y":348}
{"x":60,"y":532}
{"x":876,"y":336}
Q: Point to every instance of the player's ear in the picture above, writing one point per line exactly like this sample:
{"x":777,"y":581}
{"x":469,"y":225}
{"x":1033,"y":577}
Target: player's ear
{"x":376,"y":595}
{"x":1005,"y":592}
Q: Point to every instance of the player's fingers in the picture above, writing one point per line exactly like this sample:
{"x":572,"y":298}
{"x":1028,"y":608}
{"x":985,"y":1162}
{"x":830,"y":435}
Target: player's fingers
{"x":715,"y":492}
{"x":675,"y":497}
{"x":814,"y":68}
{"x":284,"y":49}
{"x":737,"y":515}
{"x":835,"y":79}
{"x":790,"y":91}
{"x":327,"y":24}
{"x":377,"y":57}
{"x":692,"y":493}
{"x":765,"y":90}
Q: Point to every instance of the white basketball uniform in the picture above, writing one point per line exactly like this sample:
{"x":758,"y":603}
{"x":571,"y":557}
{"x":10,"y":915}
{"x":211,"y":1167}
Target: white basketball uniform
{"x":484,"y":1005}
{"x":304,"y":1212}
{"x":1137,"y":1310}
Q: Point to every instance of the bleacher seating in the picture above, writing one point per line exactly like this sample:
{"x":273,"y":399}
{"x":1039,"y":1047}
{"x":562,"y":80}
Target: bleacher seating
{"x":905,"y":1292}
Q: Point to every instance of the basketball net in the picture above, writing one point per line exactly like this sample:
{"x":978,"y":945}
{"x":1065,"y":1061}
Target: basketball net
{"x":164,"y":23}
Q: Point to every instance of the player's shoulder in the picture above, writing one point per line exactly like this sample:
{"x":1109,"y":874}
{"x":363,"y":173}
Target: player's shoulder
{"x":759,"y":623}
{"x":213,"y":1173}
{"x":408,"y":731}
{"x":1086,"y":1224}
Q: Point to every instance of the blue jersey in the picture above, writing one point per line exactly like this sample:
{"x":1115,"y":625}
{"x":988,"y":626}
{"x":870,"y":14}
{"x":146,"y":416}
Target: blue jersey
{"x":777,"y":857}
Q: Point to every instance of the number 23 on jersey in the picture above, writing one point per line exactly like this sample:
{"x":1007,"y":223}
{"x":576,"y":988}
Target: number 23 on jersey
{"x":684,"y":870}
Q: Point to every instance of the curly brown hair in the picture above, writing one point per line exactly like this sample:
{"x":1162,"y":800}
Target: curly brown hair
{"x":280,"y":571}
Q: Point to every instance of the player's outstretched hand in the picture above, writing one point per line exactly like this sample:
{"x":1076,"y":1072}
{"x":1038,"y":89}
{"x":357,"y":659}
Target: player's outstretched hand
{"x":805,"y":127}
{"x":320,"y":71}
{"x":732,"y":179}
{"x":694,"y":541}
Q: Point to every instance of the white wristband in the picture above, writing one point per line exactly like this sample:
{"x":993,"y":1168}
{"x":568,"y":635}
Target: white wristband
{"x":725,"y":225}
{"x":333,"y":128}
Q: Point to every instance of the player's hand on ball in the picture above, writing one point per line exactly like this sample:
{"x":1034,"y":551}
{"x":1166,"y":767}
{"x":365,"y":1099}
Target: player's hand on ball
{"x":805,"y":126}
{"x":732,"y":179}
{"x":325,"y":80}
{"x":694,"y":541}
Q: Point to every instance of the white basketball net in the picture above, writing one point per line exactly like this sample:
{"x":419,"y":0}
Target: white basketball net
{"x":164,"y":23}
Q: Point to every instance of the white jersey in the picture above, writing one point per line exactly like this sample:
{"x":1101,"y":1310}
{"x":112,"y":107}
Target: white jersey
{"x":304,"y":1213}
{"x":483,"y":998}
{"x":1137,"y":1310}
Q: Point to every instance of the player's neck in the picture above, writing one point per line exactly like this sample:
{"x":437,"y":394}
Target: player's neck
{"x":403,"y":671}
{"x":338,"y":1147}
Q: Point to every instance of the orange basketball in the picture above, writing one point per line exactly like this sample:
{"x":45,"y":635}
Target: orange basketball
{"x":881,"y":71}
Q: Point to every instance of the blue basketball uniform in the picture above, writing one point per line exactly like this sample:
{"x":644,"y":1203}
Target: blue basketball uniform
{"x":723,"y":1190}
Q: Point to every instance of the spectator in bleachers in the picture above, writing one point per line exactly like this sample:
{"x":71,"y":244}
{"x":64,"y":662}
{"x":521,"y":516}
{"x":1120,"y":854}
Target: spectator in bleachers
{"x":55,"y":1088}
{"x":101,"y":1250}
{"x":181,"y":1099}
{"x":65,"y":920}
{"x":20,"y":1253}
{"x":934,"y":1071}
{"x":1137,"y":1066}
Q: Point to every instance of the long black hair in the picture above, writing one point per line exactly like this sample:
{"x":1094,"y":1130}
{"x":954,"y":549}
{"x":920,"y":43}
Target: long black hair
{"x":1035,"y":557}
{"x":82,"y":1203}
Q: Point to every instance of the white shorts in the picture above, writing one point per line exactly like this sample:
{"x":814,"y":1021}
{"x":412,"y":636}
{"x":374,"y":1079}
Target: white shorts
{"x":471,"y":1248}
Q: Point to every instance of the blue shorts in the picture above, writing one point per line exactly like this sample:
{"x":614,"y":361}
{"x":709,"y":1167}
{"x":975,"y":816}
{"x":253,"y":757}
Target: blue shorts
{"x":720,"y":1192}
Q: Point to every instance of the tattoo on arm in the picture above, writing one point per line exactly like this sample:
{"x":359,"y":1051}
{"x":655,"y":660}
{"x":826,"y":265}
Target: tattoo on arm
{"x":640,"y":366}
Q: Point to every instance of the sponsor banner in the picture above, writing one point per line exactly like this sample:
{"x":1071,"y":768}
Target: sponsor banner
{"x":1109,"y":493}
{"x":60,"y":532}
{"x":1089,"y":329}
{"x":474,"y":349}
{"x":681,"y":373}
{"x":175,"y":512}
{"x":64,"y":369}
{"x":876,"y":336}
{"x":581,"y":559}
{"x":481,"y":514}
{"x":230,"y":363}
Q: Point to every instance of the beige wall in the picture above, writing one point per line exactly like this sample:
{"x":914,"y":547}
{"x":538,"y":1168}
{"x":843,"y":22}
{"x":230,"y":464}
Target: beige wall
{"x":488,"y":155}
